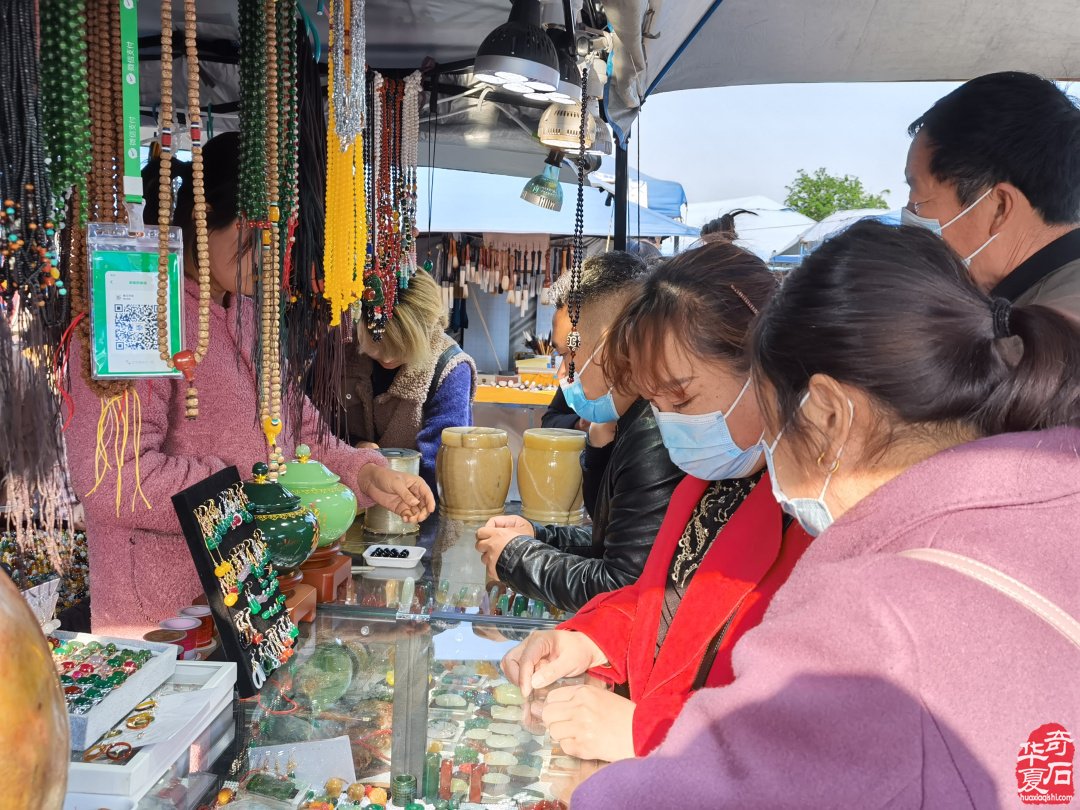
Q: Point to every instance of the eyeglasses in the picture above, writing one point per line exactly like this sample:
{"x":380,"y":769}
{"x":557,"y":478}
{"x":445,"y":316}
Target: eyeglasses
{"x":914,"y":206}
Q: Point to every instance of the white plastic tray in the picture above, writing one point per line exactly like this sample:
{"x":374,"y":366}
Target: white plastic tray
{"x":415,"y":554}
{"x":137,"y":776}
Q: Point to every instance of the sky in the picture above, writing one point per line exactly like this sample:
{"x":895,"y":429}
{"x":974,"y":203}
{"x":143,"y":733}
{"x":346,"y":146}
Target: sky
{"x":736,"y":141}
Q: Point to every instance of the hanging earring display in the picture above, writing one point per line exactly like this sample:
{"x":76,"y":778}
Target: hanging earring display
{"x":573,"y":306}
{"x":233,"y":561}
{"x":345,"y":246}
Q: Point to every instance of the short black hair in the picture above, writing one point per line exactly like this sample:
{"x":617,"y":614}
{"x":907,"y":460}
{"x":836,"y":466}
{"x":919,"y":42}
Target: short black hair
{"x":893,"y":312}
{"x":1008,"y":127}
{"x":602,"y":275}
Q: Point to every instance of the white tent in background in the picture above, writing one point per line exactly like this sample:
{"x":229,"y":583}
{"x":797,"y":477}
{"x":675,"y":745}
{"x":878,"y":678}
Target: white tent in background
{"x":817,"y":233}
{"x":773,"y":227}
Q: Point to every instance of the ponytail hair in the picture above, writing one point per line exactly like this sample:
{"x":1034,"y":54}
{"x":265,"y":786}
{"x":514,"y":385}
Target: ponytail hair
{"x":893,"y":312}
{"x":1043,"y":388}
{"x":221,"y":161}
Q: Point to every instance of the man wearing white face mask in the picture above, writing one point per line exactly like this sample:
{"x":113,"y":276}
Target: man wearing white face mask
{"x":929,"y":638}
{"x":994,"y":169}
{"x":628,"y":476}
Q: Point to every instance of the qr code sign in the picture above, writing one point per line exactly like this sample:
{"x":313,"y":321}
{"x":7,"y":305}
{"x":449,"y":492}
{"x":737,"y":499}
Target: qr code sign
{"x":135,"y":327}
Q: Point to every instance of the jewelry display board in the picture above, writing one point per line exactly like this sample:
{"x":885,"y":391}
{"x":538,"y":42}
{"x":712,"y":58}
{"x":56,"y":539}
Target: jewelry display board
{"x":233,"y":563}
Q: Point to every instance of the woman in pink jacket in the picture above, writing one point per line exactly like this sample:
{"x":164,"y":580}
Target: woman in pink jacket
{"x":140,"y":568}
{"x":924,"y":651}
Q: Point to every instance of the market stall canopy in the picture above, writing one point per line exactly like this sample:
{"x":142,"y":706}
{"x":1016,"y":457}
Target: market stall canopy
{"x":817,"y":233}
{"x":769,"y":226}
{"x":660,"y":47}
{"x":665,"y":46}
{"x":473,"y":202}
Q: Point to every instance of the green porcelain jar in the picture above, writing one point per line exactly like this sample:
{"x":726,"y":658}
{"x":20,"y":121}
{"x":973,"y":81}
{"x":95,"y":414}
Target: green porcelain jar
{"x":321,"y":491}
{"x":291,"y":530}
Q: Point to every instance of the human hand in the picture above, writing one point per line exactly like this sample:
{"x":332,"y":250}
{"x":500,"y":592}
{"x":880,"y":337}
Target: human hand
{"x":491,"y":543}
{"x":547,"y":655}
{"x":590,"y":722}
{"x":519,"y":524}
{"x":403,"y":494}
{"x":366,"y":446}
{"x":582,"y":425}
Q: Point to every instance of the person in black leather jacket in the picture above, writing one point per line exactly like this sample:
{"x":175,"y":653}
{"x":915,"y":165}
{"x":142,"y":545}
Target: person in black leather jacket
{"x":566,"y":566}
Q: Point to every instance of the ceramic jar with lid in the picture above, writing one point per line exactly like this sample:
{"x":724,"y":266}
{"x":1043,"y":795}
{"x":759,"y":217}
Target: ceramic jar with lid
{"x":473,"y":469}
{"x":549,"y":476}
{"x":289,"y":528}
{"x":321,"y":491}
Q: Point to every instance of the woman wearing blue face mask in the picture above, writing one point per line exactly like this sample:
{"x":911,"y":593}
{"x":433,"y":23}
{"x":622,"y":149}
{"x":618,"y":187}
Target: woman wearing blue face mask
{"x":724,"y":546}
{"x":624,"y":465}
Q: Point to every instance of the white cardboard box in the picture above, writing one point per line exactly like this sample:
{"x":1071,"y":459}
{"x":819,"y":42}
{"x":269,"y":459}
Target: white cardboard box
{"x":214,"y":682}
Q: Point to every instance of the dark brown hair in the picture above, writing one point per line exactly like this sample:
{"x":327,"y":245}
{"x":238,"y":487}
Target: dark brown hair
{"x":708,"y":297}
{"x":892,"y":312}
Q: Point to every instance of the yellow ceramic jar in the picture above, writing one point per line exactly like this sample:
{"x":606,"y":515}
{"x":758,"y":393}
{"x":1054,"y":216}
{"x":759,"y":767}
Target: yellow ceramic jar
{"x":549,"y":476}
{"x":473,"y":471}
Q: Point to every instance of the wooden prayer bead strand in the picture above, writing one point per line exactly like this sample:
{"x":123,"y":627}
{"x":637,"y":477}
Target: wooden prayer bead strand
{"x":202,"y":240}
{"x":165,"y":181}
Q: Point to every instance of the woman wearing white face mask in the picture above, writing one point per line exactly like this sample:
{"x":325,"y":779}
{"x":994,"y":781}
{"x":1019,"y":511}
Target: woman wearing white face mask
{"x":724,"y":547}
{"x":928,"y":640}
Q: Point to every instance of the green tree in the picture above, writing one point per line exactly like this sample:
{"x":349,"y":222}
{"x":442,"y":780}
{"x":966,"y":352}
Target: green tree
{"x":820,"y":194}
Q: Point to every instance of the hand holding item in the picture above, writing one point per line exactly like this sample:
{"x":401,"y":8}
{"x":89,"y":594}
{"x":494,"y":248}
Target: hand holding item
{"x":548,"y":655}
{"x":589,"y":722}
{"x":490,"y":543}
{"x":403,"y":494}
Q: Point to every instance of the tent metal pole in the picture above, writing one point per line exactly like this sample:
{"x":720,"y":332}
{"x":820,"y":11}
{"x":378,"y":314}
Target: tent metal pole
{"x":622,"y":186}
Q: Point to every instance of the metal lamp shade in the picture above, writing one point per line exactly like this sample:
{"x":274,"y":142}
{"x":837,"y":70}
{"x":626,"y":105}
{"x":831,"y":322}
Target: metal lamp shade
{"x":519,"y":49}
{"x":544,"y":190}
{"x":560,"y":127}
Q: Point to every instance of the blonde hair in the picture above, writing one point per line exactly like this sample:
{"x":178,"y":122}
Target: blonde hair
{"x":419,"y":312}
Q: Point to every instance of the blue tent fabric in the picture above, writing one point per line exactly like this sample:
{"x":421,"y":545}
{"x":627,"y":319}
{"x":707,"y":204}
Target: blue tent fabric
{"x":478,"y":202}
{"x":665,"y":197}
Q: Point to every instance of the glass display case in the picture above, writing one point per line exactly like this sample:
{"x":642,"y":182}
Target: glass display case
{"x":380,"y":691}
{"x":448,"y":581}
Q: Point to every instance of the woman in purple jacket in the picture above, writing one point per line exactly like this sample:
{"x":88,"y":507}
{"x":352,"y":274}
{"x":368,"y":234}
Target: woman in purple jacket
{"x":924,"y":651}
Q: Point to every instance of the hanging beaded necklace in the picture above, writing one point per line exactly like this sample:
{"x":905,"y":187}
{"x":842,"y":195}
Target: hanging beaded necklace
{"x":186,"y":359}
{"x":28,"y":255}
{"x":391,"y":180}
{"x":103,"y":186}
{"x":65,"y":106}
{"x":573,"y":340}
{"x":270,"y":278}
{"x":346,"y":235}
